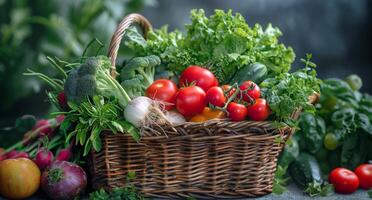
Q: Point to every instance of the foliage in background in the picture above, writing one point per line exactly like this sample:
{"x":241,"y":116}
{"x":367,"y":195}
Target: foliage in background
{"x":31,"y":30}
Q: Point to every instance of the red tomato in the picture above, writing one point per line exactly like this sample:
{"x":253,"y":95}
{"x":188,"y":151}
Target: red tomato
{"x":227,"y":88}
{"x":250,"y":91}
{"x":190,"y":101}
{"x":364,"y":173}
{"x":344,"y":180}
{"x":236,"y":111}
{"x":259,"y":111}
{"x":216,"y":96}
{"x":163,"y":90}
{"x":199,"y":76}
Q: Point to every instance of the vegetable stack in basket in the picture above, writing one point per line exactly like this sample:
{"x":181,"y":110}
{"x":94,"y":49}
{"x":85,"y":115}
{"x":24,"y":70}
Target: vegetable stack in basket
{"x":201,"y":113}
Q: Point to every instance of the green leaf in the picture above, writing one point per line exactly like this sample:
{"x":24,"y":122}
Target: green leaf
{"x":73,"y":105}
{"x":131,"y":175}
{"x":117,"y":126}
{"x":87,"y":147}
{"x":66,"y":124}
{"x":131,"y":130}
{"x":25,"y":123}
{"x":327,"y":190}
{"x":95,"y":139}
{"x":348,"y":149}
{"x":97,"y":144}
{"x":364,"y":123}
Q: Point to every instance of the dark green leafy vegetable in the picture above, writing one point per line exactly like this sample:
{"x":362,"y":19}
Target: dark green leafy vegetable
{"x":289,"y":153}
{"x":280,"y":180}
{"x":138,"y":74}
{"x":347,"y":117}
{"x":222,"y":42}
{"x":312,"y":130}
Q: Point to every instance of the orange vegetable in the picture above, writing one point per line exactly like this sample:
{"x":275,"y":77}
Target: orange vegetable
{"x":207,"y":114}
{"x":19,"y":178}
{"x":198,"y":118}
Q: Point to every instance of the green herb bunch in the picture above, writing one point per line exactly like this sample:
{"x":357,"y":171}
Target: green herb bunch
{"x":287,"y":92}
{"x":91,"y":118}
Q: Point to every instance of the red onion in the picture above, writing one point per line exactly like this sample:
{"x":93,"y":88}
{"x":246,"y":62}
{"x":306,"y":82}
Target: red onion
{"x":63,"y":180}
{"x":64,"y":155}
{"x":43,"y":158}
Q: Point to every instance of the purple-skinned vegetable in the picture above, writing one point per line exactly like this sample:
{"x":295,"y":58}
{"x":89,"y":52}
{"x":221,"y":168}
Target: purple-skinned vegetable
{"x":63,"y":180}
{"x":43,"y":158}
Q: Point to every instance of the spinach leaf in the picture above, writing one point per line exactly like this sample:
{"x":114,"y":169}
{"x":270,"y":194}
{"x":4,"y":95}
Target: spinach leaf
{"x":354,"y":149}
{"x":313,"y":131}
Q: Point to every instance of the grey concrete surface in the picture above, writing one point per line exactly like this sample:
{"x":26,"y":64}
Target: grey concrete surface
{"x":293,"y":193}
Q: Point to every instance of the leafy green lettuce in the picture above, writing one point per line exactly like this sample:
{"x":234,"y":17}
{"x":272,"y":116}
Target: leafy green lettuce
{"x":224,"y":43}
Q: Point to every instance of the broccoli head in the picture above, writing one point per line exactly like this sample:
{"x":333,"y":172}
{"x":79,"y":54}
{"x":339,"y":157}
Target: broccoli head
{"x":91,"y":78}
{"x":138,"y":74}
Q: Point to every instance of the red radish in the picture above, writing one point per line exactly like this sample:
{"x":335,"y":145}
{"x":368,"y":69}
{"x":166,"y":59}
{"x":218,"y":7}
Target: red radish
{"x":10,"y":154}
{"x":63,"y":180}
{"x":64,"y":155}
{"x":43,"y":158}
{"x":44,"y":126}
{"x":60,"y":118}
{"x":15,"y":154}
{"x":62,"y":100}
{"x":22,"y":155}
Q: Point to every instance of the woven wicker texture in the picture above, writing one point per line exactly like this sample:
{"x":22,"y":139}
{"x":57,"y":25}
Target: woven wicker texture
{"x":214,"y":159}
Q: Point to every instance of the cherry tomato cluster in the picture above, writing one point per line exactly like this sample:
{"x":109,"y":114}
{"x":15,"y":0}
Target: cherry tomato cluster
{"x":346,"y":181}
{"x":198,"y":89}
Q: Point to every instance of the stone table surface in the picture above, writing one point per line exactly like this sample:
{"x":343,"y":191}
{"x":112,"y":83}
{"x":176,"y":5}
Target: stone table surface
{"x":293,"y":193}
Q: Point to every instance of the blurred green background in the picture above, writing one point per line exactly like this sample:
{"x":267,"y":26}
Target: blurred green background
{"x":30,"y":30}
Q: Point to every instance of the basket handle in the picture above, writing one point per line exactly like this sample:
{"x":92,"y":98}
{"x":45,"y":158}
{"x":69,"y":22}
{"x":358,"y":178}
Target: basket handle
{"x":119,"y":33}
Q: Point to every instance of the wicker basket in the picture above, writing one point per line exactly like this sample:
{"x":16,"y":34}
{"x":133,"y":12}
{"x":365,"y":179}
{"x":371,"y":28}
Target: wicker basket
{"x":214,"y":159}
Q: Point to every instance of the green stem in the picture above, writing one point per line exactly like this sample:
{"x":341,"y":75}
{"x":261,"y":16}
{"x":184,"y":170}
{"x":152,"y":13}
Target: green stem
{"x":233,"y":96}
{"x":55,"y":175}
{"x":124,"y":98}
{"x":29,"y":148}
{"x":56,"y":66}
